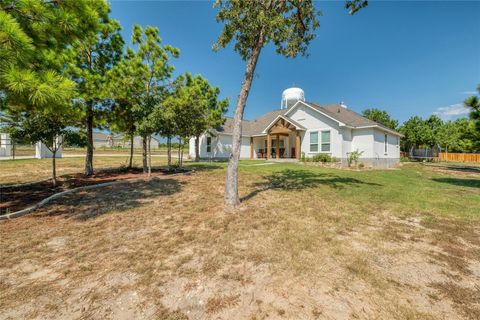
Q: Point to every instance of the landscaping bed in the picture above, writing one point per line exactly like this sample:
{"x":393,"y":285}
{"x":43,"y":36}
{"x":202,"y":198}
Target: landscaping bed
{"x":20,"y":196}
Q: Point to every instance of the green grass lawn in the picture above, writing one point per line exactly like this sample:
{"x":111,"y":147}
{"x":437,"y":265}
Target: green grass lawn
{"x":412,"y":189}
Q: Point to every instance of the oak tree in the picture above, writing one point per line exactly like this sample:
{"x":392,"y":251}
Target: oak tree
{"x":251,"y":25}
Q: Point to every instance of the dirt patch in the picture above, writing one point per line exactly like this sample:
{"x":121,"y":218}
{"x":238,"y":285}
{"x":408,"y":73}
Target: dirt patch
{"x":14,"y":198}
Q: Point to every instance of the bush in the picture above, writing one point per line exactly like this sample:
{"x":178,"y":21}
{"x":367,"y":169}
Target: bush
{"x":353,"y":157}
{"x":322,"y":157}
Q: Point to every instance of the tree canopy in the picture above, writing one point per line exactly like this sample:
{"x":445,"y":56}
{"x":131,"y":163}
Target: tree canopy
{"x":473,"y":103}
{"x":35,"y":36}
{"x":381,"y":117}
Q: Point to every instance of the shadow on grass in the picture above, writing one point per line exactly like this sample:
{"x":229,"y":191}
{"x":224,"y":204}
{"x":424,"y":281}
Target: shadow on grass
{"x":459,"y":168}
{"x":123,"y":197}
{"x":205,"y":166}
{"x":301,"y":179}
{"x":473,"y":183}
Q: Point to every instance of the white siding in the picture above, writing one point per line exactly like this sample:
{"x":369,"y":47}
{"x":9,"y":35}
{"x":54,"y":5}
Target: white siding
{"x":393,"y":149}
{"x":347,"y":142}
{"x":362,"y":140}
{"x":315,"y":121}
{"x":221,"y":147}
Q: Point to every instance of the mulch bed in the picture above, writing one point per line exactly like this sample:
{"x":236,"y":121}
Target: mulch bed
{"x":18,"y":197}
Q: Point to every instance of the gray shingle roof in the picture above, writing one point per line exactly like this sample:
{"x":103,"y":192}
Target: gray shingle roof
{"x":335,"y":111}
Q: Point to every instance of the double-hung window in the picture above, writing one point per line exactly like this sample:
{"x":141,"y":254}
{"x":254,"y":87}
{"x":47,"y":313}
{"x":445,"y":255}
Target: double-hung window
{"x":326,"y":140}
{"x":314,"y":141}
{"x":209,"y":144}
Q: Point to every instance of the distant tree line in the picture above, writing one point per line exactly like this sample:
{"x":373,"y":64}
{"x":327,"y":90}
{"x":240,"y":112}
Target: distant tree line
{"x":461,"y":135}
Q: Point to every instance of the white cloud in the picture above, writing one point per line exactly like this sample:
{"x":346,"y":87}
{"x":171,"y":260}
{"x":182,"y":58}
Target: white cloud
{"x":469,"y":93}
{"x":452,"y":112}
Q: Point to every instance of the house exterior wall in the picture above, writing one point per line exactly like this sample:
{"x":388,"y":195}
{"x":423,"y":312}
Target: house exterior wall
{"x":393,"y":146}
{"x":221,"y":147}
{"x":371,"y":142}
{"x":346,"y":142}
{"x":315,"y":121}
{"x":362,"y":140}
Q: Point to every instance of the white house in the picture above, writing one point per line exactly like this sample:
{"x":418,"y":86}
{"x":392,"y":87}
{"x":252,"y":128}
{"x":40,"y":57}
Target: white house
{"x":301,"y":127}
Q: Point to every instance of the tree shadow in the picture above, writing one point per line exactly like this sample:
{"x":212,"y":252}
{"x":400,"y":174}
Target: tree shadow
{"x":473,"y":183}
{"x":93,"y":203}
{"x":302,"y":179}
{"x":204,"y":166}
{"x":465,"y":168}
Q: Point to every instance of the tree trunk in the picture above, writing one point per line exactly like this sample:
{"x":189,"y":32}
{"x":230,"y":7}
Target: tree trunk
{"x":149,"y":156}
{"x":179,"y":148}
{"x":231,"y":187}
{"x":197,"y":148}
{"x":130,"y":161}
{"x":144,"y":154}
{"x":54,"y":169}
{"x":181,"y":155}
{"x":169,"y":152}
{"x":89,"y":125}
{"x":13,"y":150}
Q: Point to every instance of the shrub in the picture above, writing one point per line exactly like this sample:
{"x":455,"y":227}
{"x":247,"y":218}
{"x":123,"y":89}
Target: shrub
{"x":322,"y":157}
{"x":353,"y":157}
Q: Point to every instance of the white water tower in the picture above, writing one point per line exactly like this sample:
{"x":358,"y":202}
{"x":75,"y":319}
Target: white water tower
{"x":290,"y":96}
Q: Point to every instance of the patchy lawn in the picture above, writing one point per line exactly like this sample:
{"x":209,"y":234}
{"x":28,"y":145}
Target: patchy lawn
{"x":307,"y":242}
{"x":32,"y":170}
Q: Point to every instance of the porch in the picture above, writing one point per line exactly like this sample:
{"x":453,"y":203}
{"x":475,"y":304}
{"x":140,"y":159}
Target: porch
{"x":281,"y":140}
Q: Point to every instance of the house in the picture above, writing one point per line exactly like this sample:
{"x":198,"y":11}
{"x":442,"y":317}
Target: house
{"x":301,"y":127}
{"x":106,"y":140}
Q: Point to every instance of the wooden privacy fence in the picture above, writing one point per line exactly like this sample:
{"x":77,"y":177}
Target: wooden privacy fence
{"x":461,"y":157}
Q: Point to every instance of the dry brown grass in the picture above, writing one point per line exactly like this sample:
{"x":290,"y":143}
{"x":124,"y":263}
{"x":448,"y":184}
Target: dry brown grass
{"x":30,"y":170}
{"x":171,"y":250}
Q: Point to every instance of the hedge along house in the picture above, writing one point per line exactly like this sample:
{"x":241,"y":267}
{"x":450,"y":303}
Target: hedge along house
{"x":301,"y":127}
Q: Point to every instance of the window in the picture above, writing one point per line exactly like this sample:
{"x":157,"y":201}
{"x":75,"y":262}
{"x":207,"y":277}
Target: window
{"x":209,"y":144}
{"x":326,"y":140}
{"x":314,"y":141}
{"x":385,"y":143}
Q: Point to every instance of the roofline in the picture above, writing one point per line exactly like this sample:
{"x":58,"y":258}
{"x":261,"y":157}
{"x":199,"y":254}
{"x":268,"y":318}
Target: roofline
{"x":231,"y":134}
{"x":286,"y":119}
{"x":323,"y":113}
{"x":378,"y":127}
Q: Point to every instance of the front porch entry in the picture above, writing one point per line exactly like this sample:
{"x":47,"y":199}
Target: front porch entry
{"x":275,"y":147}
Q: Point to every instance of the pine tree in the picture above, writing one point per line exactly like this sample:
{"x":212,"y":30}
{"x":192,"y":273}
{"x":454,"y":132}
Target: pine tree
{"x":91,"y":59}
{"x":35,"y":37}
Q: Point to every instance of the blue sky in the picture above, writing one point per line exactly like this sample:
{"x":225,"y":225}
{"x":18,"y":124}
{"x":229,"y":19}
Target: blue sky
{"x":409,"y":58}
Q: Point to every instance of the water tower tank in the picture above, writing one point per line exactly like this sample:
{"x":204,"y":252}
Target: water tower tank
{"x":290,"y":96}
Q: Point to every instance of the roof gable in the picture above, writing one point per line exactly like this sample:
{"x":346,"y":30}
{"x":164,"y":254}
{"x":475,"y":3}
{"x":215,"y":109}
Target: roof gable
{"x":291,"y":121}
{"x":341,"y":115}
